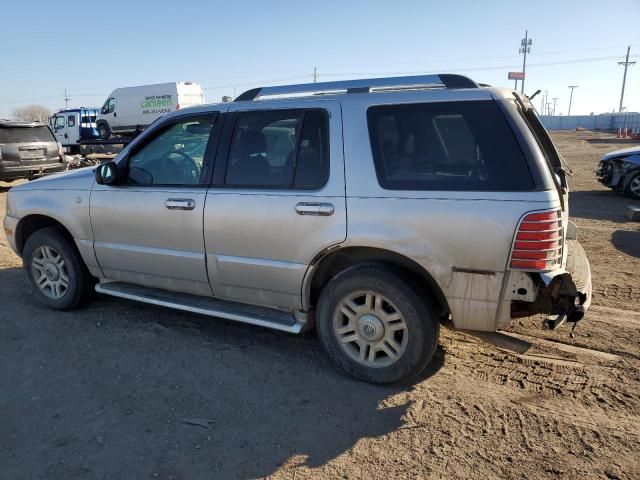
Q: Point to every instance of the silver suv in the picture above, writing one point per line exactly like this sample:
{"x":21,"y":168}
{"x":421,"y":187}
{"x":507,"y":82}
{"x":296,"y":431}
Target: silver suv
{"x":371,"y":209}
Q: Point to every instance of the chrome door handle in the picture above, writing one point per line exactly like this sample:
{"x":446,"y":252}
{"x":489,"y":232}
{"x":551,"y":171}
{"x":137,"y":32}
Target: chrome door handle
{"x":180,"y":204}
{"x":322,"y":209}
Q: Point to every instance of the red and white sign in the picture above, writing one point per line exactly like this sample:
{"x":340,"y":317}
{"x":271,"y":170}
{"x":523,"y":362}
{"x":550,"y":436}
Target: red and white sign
{"x":516,"y":76}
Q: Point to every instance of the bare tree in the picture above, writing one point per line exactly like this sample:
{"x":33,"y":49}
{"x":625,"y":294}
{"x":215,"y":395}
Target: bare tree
{"x":32,"y":113}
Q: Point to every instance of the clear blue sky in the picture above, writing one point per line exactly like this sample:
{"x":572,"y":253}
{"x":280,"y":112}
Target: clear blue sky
{"x":92,"y":47}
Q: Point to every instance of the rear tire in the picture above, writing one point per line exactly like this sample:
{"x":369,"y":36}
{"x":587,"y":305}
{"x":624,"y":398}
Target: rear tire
{"x":375,"y":326}
{"x":55,"y":270}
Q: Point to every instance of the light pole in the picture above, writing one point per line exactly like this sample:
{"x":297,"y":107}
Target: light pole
{"x":525,"y":47}
{"x":626,"y":64}
{"x":571,"y":98}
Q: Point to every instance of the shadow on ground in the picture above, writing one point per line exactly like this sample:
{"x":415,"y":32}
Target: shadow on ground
{"x":627,"y":241}
{"x":124,"y":390}
{"x":599,"y":205}
{"x":623,"y":142}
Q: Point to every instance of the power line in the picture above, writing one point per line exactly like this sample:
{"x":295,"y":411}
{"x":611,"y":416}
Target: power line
{"x":472,"y":69}
{"x":626,"y":64}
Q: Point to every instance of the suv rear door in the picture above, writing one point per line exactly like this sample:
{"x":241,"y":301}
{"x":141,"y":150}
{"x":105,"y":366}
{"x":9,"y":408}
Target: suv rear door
{"x":276,"y":202}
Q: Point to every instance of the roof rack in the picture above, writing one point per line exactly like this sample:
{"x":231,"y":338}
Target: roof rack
{"x":364,"y":85}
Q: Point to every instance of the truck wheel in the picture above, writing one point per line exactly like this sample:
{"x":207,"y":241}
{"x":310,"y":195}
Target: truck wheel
{"x":104,"y":131}
{"x":633,"y":188}
{"x":375,"y":325}
{"x":55,"y":270}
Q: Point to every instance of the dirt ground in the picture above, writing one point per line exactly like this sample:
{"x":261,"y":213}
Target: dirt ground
{"x":121,"y":390}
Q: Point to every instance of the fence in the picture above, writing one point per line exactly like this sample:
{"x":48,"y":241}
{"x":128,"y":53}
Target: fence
{"x":604,"y":121}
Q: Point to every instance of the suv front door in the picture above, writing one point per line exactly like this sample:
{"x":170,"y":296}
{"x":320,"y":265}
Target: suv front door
{"x":276,"y":202}
{"x":148,"y":228}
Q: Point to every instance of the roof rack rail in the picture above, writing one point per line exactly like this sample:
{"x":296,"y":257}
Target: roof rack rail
{"x":364,"y":85}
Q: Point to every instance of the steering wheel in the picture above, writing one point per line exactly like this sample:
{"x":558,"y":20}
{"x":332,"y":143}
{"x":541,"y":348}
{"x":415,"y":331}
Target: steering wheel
{"x":186,"y":165}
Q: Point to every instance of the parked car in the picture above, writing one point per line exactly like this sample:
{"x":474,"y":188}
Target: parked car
{"x":620,"y":170}
{"x":28,"y":150}
{"x":129,"y":110}
{"x":73,"y":125}
{"x":371,"y":209}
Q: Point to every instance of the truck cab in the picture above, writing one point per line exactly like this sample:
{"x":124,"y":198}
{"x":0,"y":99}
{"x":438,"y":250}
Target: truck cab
{"x":73,"y":125}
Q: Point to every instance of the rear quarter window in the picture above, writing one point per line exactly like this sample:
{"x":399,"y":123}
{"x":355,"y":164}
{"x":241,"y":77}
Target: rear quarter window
{"x":446,"y":146}
{"x":26,"y":135}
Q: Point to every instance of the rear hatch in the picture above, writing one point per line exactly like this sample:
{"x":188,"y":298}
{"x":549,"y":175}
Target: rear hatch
{"x":27,"y":146}
{"x":556,"y":165}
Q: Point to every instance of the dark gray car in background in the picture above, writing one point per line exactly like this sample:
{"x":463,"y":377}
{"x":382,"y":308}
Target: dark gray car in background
{"x":28,"y":150}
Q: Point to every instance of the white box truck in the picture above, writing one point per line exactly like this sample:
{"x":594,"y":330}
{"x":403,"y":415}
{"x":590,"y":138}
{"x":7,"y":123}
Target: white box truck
{"x":129,"y":110}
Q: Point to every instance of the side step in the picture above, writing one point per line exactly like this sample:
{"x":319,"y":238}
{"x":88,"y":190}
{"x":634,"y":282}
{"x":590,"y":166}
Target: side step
{"x":239,"y":312}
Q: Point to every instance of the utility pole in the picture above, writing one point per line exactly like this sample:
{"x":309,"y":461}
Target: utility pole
{"x":315,"y":74}
{"x":555,"y":99}
{"x":626,"y":64}
{"x":548,"y":108}
{"x":66,"y":99}
{"x":525,"y":47}
{"x":571,"y":98}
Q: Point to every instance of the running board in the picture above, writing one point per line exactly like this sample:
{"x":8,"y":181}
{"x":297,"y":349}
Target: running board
{"x":213,"y":307}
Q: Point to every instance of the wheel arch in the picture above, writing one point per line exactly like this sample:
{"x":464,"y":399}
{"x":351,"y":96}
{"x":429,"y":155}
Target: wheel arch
{"x":32,"y":223}
{"x":326,"y":266}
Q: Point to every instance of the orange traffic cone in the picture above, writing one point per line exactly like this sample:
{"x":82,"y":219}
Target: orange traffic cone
{"x":624,"y":133}
{"x":619,"y":133}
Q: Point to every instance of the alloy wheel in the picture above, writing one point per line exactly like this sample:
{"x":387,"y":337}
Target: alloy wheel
{"x":370,"y":329}
{"x":49,"y":272}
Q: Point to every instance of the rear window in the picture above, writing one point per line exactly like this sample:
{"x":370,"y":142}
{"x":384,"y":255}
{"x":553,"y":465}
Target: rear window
{"x":446,"y":146}
{"x":26,"y":135}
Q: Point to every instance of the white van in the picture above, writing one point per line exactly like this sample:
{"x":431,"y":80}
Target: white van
{"x":131,"y":109}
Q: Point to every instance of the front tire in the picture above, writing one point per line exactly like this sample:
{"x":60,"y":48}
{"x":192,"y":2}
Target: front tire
{"x":375,"y":326}
{"x":633,"y":188}
{"x":104,"y":131}
{"x":55,"y":270}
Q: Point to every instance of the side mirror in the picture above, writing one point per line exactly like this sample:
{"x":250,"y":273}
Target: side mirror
{"x":103,"y":110}
{"x":107,"y":174}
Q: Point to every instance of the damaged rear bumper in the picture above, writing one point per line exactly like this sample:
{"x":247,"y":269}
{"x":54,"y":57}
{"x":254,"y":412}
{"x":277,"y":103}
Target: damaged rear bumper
{"x":563,"y":293}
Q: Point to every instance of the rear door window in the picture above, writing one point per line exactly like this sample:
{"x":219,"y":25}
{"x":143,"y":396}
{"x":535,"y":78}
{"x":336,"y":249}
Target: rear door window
{"x":446,"y":146}
{"x":26,"y":135}
{"x":71,"y":120}
{"x":279,"y":149}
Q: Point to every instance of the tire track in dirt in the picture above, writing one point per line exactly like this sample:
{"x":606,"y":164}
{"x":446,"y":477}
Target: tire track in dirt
{"x":559,"y":375}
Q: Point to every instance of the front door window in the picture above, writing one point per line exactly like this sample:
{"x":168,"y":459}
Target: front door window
{"x":174,"y":156}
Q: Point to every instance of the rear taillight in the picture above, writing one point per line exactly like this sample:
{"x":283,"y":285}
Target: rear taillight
{"x":538,"y":242}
